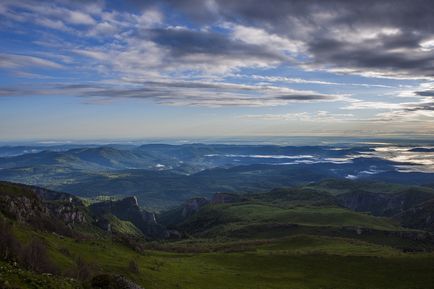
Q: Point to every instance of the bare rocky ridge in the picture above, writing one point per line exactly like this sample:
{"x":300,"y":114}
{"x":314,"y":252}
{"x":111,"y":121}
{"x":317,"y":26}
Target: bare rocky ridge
{"x":128,"y":209}
{"x":25,"y":203}
{"x":49,"y":209}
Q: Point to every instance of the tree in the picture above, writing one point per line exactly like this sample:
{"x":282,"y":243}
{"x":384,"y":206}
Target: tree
{"x":35,"y":257}
{"x":9,"y":245}
{"x":84,"y":270}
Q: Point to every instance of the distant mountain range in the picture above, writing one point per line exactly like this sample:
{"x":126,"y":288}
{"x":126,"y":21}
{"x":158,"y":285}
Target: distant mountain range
{"x":164,"y":175}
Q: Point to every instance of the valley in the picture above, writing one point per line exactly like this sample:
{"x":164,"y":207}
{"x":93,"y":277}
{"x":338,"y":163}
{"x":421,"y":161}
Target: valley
{"x":301,"y":237}
{"x":217,"y":144}
{"x":163,"y":175}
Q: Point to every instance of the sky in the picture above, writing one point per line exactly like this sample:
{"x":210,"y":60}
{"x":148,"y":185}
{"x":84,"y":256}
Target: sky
{"x":201,"y":68}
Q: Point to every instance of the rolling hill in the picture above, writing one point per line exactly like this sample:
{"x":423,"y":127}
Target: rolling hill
{"x":286,"y":238}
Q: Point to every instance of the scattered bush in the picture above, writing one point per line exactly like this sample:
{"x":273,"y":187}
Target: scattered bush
{"x":156,"y":265}
{"x":65,"y":252}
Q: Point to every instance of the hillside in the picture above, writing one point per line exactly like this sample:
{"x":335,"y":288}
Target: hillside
{"x":286,"y":238}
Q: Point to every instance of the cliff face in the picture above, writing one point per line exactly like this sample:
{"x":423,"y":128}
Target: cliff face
{"x":364,"y":202}
{"x":176,"y":216}
{"x":128,"y":210}
{"x":69,"y":213}
{"x":383,"y":204}
{"x":411,"y":208}
{"x":59,"y":212}
{"x":28,"y":203}
{"x":22,"y":208}
{"x":419,"y":217}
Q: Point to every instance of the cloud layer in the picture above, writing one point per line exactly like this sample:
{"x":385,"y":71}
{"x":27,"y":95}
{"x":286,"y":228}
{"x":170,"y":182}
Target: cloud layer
{"x":391,"y":38}
{"x":332,"y":61}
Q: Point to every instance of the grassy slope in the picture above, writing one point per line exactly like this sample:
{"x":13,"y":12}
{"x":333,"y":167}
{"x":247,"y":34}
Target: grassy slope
{"x":289,"y":260}
{"x":124,"y":227}
{"x":319,"y":216}
{"x":221,"y":220}
{"x":337,"y":187}
{"x":294,"y":262}
{"x":13,"y":277}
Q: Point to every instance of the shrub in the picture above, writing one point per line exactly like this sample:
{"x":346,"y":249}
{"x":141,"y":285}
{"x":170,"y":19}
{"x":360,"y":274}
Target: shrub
{"x":133,"y":267}
{"x":65,"y":251}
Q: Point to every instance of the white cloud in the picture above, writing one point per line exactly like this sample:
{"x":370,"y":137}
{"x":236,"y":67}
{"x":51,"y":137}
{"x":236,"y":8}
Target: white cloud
{"x":319,"y":116}
{"x":104,"y":28}
{"x":80,"y":18}
{"x":358,"y":104}
{"x":257,"y":36}
{"x":307,"y":81}
{"x":53,"y":24}
{"x":150,"y":18}
{"x":15,"y":60}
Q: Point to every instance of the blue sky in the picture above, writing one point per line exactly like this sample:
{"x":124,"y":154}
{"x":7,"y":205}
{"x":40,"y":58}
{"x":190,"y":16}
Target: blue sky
{"x":139,"y":69}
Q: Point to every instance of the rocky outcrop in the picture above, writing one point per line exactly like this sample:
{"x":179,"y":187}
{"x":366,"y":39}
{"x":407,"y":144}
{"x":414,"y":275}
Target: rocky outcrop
{"x":22,"y":208}
{"x":362,"y":201}
{"x":26,"y":203}
{"x":53,"y":196}
{"x":172,"y":218}
{"x":69,"y":213}
{"x":383,"y":204}
{"x":419,"y":217}
{"x":128,"y":209}
{"x":59,"y":212}
{"x":106,"y":281}
{"x":104,"y":224}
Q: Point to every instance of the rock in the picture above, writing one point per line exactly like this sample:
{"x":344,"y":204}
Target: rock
{"x":22,"y":208}
{"x":128,"y":209}
{"x":69,"y":213}
{"x":106,"y":281}
{"x":419,"y":217}
{"x":26,"y":203}
{"x":104,"y":224}
{"x":383,"y":204}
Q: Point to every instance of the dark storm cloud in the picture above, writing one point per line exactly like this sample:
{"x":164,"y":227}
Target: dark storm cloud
{"x":381,"y":37}
{"x":183,"y":42}
{"x":425,"y":92}
{"x":409,"y":14}
{"x":371,"y":55}
{"x":391,"y":38}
